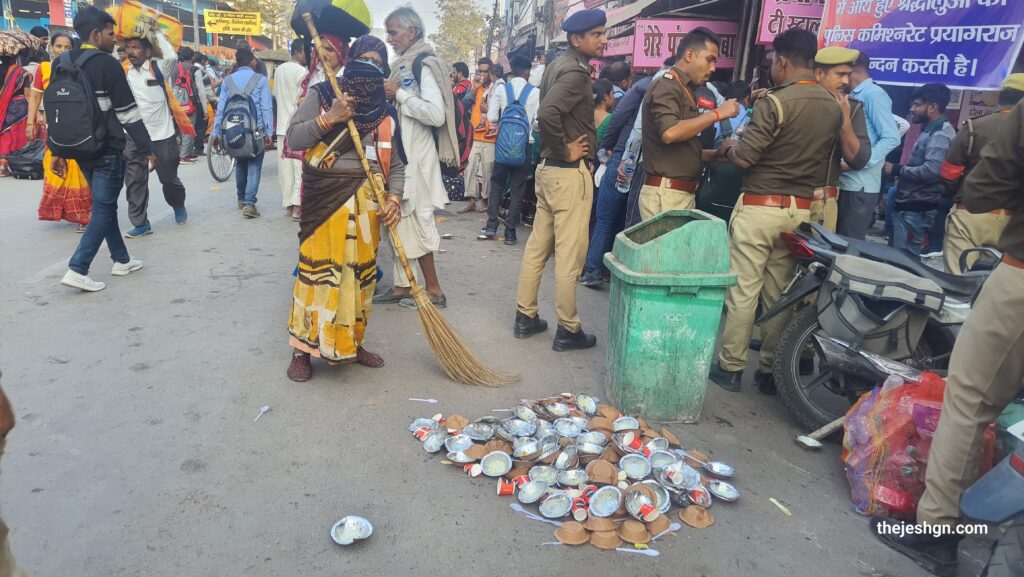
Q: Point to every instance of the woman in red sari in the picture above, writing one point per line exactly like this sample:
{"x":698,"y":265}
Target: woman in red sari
{"x":13,"y":109}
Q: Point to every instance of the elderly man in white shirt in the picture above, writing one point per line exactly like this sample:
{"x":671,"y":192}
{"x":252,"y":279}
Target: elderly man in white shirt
{"x":421,"y":87}
{"x":287,"y":89}
{"x":146,"y":78}
{"x":528,"y":96}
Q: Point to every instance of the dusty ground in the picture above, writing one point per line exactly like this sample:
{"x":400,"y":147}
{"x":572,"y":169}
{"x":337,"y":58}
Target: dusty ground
{"x":136,"y":452}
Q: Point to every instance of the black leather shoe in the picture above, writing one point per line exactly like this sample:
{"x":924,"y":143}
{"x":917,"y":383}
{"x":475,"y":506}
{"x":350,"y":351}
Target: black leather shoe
{"x":591,"y":278}
{"x":728,"y":380}
{"x":567,"y":341}
{"x":526,"y":327}
{"x":938,"y":555}
{"x":765,"y":383}
{"x":510,"y":236}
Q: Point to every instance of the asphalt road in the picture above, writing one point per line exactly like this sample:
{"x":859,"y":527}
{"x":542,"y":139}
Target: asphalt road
{"x":136,"y":452}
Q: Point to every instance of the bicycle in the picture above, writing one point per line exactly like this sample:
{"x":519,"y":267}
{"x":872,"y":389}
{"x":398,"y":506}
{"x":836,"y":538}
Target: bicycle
{"x":221,"y":165}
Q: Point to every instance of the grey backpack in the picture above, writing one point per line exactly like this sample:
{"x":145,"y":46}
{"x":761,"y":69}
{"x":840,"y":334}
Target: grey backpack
{"x":876,"y":306}
{"x":239,"y":126}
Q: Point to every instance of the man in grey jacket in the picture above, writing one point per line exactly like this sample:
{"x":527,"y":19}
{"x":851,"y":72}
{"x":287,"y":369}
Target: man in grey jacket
{"x":919,"y":190}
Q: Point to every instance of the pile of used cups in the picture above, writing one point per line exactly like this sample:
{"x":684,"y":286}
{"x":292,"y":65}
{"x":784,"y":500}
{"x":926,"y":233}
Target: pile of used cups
{"x":612,"y":474}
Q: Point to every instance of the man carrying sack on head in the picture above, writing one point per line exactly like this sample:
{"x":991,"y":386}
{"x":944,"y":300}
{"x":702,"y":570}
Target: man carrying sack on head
{"x":565,"y":185}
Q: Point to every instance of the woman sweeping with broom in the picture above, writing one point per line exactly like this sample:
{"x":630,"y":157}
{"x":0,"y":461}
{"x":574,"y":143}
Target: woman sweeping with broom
{"x":339,"y":229}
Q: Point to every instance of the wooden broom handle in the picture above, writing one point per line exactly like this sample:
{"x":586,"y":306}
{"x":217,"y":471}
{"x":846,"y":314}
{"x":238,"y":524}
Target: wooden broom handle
{"x":378,"y":192}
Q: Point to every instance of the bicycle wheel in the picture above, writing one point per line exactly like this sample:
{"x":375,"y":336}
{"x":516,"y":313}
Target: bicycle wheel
{"x":221,"y":165}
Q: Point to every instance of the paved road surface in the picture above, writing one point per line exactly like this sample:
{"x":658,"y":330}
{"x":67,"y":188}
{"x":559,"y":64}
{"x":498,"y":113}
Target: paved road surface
{"x":136,"y":452}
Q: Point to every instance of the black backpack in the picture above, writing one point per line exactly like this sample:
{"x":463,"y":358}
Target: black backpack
{"x":76,"y":127}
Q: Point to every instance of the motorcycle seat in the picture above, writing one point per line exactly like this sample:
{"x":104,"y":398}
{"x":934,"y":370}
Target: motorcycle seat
{"x":963,"y":286}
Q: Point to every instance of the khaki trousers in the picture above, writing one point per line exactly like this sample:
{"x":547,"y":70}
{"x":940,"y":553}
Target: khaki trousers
{"x":985,"y":371}
{"x":965,"y":230}
{"x":826,"y":212}
{"x":560,"y":228}
{"x":655,"y":200}
{"x":8,"y":568}
{"x":481,"y":160}
{"x":763,"y":267}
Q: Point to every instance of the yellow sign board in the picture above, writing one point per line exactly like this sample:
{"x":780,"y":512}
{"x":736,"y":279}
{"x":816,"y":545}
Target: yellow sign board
{"x":223,"y":22}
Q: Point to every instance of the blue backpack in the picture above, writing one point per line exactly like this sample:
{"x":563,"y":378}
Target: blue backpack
{"x":513,"y":140}
{"x":239,"y":127}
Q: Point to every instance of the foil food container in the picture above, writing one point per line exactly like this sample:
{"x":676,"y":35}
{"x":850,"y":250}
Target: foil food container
{"x":547,"y":450}
{"x":478,"y":431}
{"x":572,"y":478}
{"x":434,"y":441}
{"x":567,"y":459}
{"x":662,"y":459}
{"x":682,"y":475}
{"x":544,"y":430}
{"x":544,"y":473}
{"x":349,"y":529}
{"x":458,"y":443}
{"x":625,"y":424}
{"x":460,"y":457}
{"x":593,"y":437}
{"x":640,"y":506}
{"x":664,"y":502}
{"x":519,"y":427}
{"x":720,"y":470}
{"x":636,"y":467}
{"x":699,"y":496}
{"x":605,"y":501}
{"x":568,"y":428}
{"x":556,"y":505}
{"x":531,"y":447}
{"x":581,"y":421}
{"x":723,"y":491}
{"x":532,"y":491}
{"x":587,"y":404}
{"x":423,"y":424}
{"x":524,"y":413}
{"x":589,"y":448}
{"x":557,"y":409}
{"x":655,"y":444}
{"x":496,"y":464}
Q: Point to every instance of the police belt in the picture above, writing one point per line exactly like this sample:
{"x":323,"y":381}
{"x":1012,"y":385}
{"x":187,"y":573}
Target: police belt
{"x":560,"y":163}
{"x":826,"y":192}
{"x":673,"y":183}
{"x":775,"y":200}
{"x":998,"y":211}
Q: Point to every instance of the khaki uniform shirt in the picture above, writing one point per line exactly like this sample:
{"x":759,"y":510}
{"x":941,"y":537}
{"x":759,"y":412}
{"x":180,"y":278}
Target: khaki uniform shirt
{"x":566,"y":106}
{"x":962,"y":152}
{"x":670,"y":99}
{"x":860,"y":128}
{"x":789,"y":139}
{"x":998,"y":180}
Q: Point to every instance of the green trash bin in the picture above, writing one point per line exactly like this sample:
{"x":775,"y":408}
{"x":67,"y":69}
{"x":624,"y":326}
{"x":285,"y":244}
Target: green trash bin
{"x":669,"y":277}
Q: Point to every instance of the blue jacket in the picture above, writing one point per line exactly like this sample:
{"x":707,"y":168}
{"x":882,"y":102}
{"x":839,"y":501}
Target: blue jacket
{"x":260,"y":97}
{"x":625,"y":113}
{"x":919,"y":187}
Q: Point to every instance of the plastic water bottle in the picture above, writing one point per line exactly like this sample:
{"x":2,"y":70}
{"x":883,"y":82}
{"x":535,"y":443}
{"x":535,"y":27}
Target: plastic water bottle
{"x":408,"y":80}
{"x":629,"y":167}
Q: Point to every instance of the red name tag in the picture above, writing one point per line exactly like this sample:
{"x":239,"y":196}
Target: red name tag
{"x":705,"y":102}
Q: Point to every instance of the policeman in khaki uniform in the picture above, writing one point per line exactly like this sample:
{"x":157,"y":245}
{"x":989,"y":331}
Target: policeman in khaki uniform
{"x":963,"y":229}
{"x":784,"y":149}
{"x":672,"y":123}
{"x":852,"y":150}
{"x":987,"y":365}
{"x":565,"y":185}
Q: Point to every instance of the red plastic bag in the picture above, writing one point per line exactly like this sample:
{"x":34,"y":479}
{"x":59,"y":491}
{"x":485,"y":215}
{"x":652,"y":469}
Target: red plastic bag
{"x":888,"y":437}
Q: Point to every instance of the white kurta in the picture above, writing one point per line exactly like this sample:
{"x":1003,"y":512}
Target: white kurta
{"x":420,"y":111}
{"x":287,"y":88}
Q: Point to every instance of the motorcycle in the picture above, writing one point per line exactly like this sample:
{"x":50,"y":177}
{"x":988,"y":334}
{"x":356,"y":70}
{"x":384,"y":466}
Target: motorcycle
{"x":815,"y":391}
{"x":996,"y":498}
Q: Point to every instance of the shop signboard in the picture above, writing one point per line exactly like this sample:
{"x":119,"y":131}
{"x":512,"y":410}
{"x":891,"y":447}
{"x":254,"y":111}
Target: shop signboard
{"x":777,"y":16}
{"x":656,"y":40}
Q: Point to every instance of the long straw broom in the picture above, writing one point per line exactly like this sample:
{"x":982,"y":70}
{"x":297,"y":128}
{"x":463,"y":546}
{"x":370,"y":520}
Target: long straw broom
{"x":457,"y":361}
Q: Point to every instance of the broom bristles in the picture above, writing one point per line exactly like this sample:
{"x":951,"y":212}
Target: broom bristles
{"x":457,"y":361}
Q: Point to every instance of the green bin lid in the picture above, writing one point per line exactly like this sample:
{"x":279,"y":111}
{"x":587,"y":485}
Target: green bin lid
{"x":676,"y":242}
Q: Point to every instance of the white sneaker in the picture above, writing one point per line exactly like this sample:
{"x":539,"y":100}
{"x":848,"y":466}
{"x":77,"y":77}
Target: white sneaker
{"x":933,"y":254}
{"x":80,"y":281}
{"x":124,"y":268}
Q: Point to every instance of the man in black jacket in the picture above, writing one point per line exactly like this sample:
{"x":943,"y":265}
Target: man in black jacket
{"x":611,"y":203}
{"x":105,"y":173}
